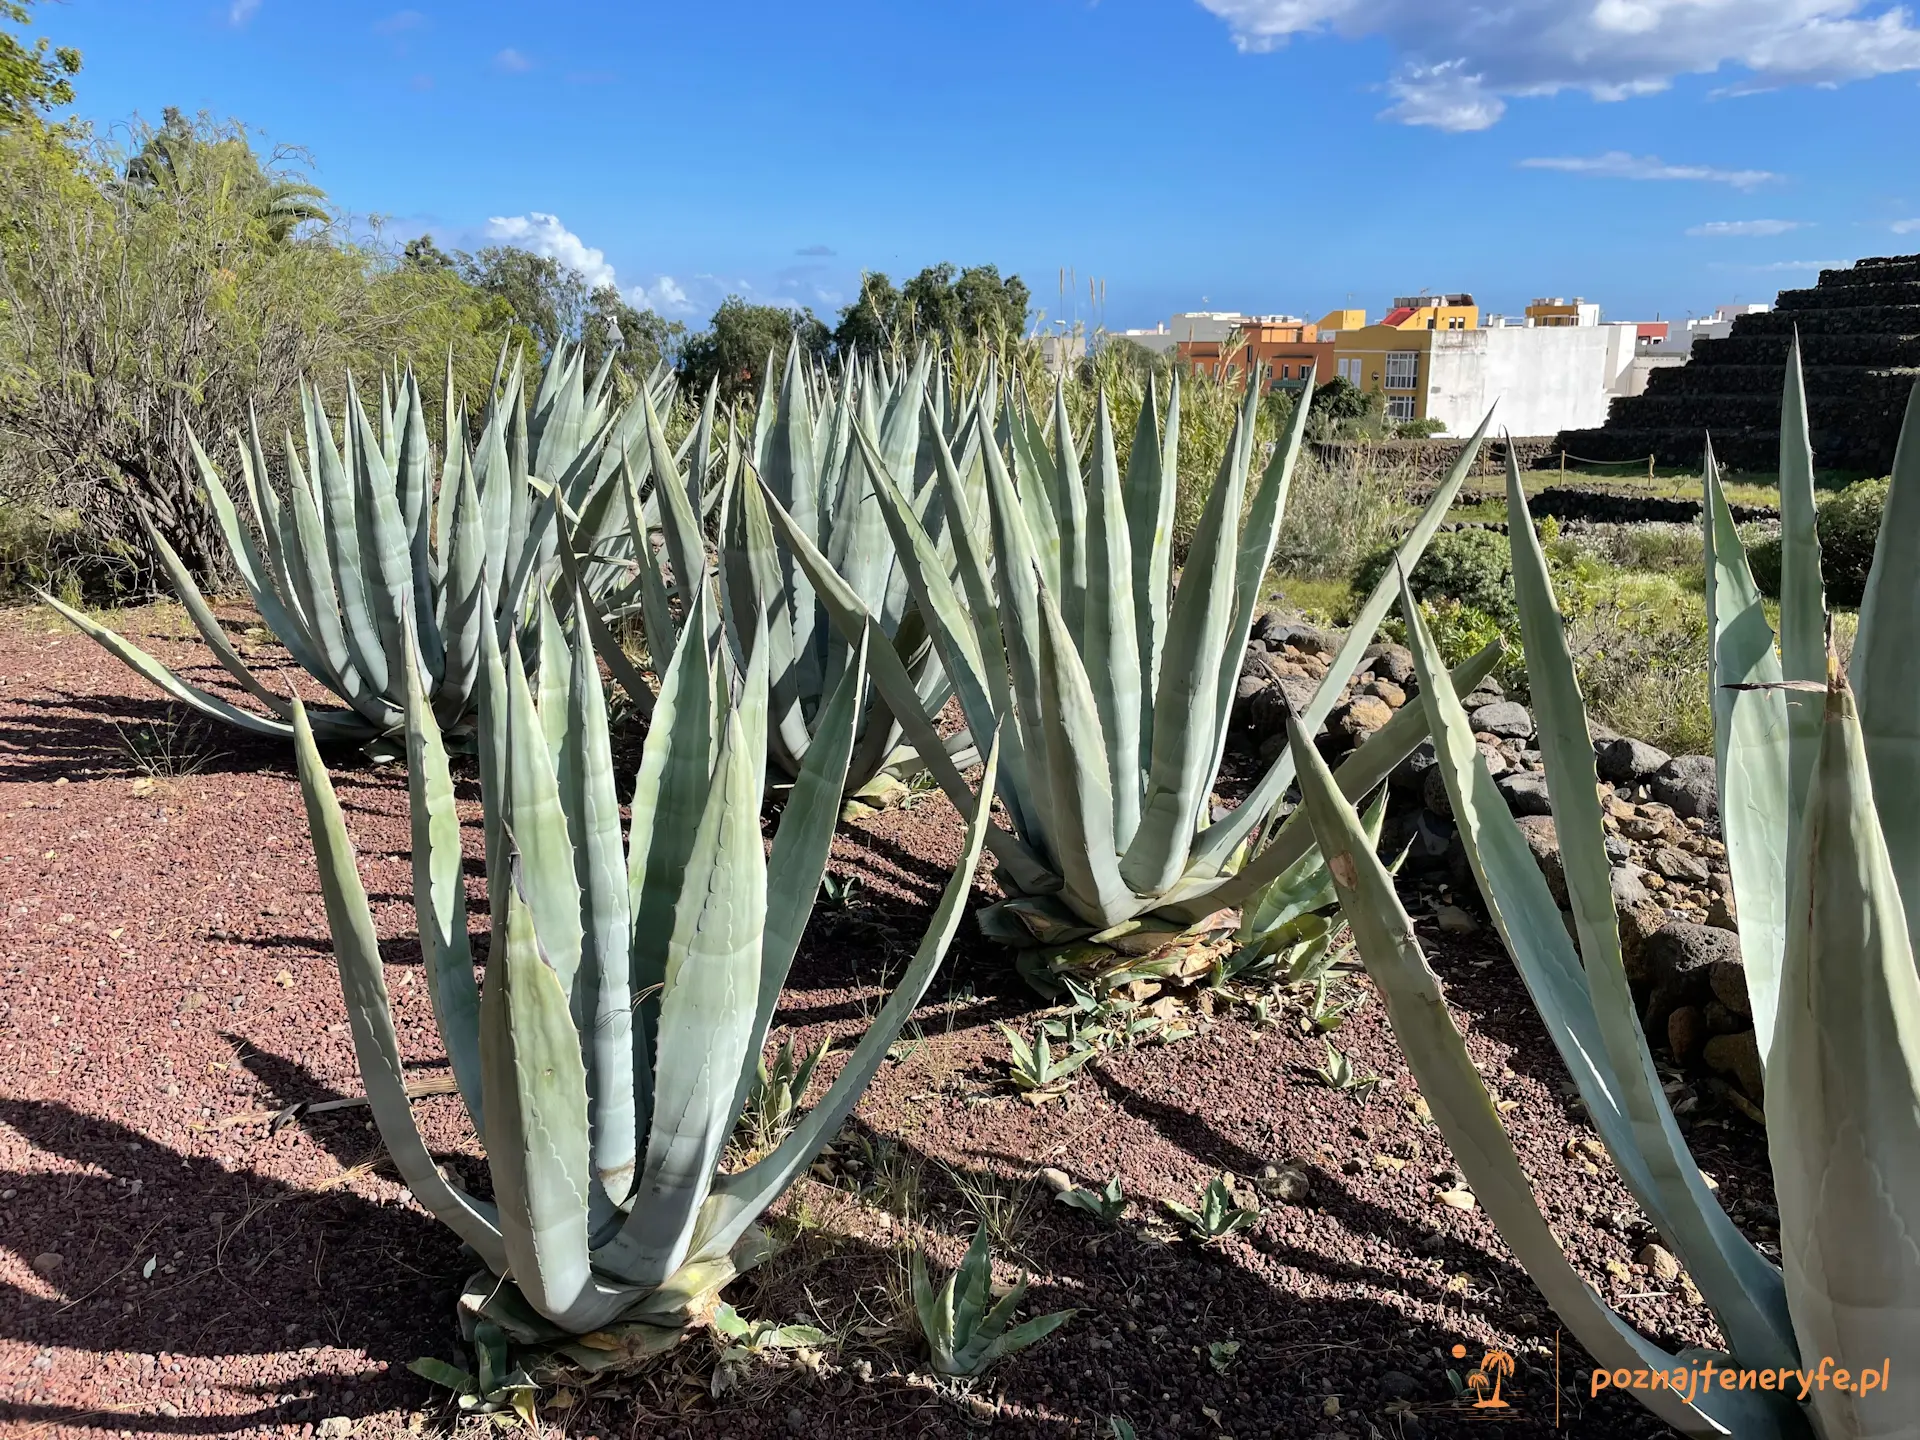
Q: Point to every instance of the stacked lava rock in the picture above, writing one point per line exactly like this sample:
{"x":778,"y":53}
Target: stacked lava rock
{"x":1672,"y":894}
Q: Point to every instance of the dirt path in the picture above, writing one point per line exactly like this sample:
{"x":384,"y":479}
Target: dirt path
{"x":164,"y":967}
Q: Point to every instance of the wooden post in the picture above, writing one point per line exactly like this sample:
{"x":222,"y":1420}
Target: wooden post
{"x":1649,"y":467}
{"x":1563,"y":465}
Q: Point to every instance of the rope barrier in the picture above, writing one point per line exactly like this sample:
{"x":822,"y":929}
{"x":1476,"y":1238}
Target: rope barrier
{"x":1584,"y":460}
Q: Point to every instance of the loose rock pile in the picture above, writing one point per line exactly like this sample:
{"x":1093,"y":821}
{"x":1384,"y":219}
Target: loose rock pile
{"x":1671,"y":890}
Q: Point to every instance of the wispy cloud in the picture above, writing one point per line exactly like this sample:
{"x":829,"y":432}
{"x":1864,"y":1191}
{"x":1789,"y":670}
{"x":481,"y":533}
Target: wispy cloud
{"x":1459,"y":63}
{"x":1445,"y":96}
{"x":1779,"y":265}
{"x":512,"y":62}
{"x":1719,"y":229}
{"x":241,"y":11}
{"x":1619,"y":165}
{"x":816,"y":251}
{"x":400,"y":22}
{"x":1904,"y":227}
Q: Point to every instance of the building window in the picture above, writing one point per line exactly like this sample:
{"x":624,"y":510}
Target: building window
{"x":1350,"y":371}
{"x":1400,"y":408}
{"x":1403,"y":368}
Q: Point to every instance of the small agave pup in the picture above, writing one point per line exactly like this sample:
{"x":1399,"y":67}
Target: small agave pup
{"x":1113,"y":689}
{"x":1817,"y":783}
{"x":629,"y":984}
{"x":359,"y":545}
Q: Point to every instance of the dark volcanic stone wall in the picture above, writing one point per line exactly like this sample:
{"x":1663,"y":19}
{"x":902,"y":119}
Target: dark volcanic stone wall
{"x":1860,"y":346}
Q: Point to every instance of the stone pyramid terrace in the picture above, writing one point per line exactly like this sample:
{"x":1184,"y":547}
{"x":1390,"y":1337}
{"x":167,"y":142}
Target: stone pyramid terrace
{"x":1860,"y":345}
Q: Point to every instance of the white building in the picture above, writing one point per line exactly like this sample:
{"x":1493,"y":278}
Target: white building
{"x":1716,"y":326}
{"x":1545,"y":378}
{"x":1206,"y":325}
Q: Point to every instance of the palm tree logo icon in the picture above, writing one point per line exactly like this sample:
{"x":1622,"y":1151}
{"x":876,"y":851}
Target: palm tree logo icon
{"x":1495,"y":1366}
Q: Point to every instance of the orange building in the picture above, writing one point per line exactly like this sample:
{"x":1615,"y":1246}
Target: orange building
{"x":1287,"y":346}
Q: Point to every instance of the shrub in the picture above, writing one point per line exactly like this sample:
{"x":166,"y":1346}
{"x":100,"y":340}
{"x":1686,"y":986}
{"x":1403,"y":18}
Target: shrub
{"x":1849,"y":527}
{"x":1339,"y":513}
{"x":40,"y":547}
{"x":1639,"y":645}
{"x":1662,"y":545}
{"x":1470,"y":567}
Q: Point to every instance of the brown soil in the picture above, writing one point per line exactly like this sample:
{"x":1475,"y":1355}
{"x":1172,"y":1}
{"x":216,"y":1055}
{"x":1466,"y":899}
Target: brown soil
{"x":166,"y":968}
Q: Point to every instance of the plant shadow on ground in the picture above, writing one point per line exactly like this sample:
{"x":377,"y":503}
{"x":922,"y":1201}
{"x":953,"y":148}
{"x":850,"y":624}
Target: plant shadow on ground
{"x":277,"y":1267}
{"x":263,"y":1265}
{"x":246,"y":1265}
{"x":267,"y":1267}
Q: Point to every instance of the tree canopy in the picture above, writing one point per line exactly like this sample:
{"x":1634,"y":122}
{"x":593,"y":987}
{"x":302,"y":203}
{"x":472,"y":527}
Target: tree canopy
{"x":733,"y":350}
{"x":36,"y":77}
{"x":941,"y":302}
{"x":638,"y":339}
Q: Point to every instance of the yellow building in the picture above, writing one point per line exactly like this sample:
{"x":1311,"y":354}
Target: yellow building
{"x":1393,"y":355}
{"x":1552,"y":311}
{"x":1342,"y":320}
{"x":1433,"y":312}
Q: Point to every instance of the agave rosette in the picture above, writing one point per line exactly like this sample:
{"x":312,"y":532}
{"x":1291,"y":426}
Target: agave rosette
{"x":360,"y":545}
{"x":804,"y":446}
{"x":1111,"y":688}
{"x":630,"y":982}
{"x":1816,"y":778}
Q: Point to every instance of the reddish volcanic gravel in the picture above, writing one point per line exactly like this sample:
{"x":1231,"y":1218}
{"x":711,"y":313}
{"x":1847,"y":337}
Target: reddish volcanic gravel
{"x":168,"y":1269}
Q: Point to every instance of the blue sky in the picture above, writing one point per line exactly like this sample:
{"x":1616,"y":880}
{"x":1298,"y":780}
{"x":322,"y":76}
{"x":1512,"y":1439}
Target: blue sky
{"x":1261,"y":155}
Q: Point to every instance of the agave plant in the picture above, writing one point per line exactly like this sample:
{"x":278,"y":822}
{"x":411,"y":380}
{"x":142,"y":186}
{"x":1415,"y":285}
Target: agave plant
{"x":967,"y":1330}
{"x":1112,"y":689}
{"x":629,"y":988}
{"x":359,"y":545}
{"x":1217,"y":1215}
{"x":1817,"y":783}
{"x":802,"y":447}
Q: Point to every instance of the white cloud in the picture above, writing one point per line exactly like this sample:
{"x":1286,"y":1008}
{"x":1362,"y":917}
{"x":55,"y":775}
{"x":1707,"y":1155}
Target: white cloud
{"x":1904,"y":227}
{"x":1619,"y":165}
{"x":1716,"y":229}
{"x":1443,"y":96}
{"x":241,"y":11}
{"x":512,"y":62}
{"x":665,"y":296}
{"x":545,"y":235}
{"x":1461,"y":60}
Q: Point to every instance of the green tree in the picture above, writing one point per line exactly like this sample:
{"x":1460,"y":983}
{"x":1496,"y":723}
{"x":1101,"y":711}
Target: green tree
{"x":280,"y":203}
{"x":422,"y":254}
{"x":869,"y":324}
{"x":1117,"y":353}
{"x":989,"y":307}
{"x":942,"y":304}
{"x":638,"y":339}
{"x":734,"y":350}
{"x":549,"y":298}
{"x":159,"y":288}
{"x":33,"y":78}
